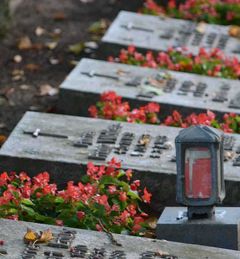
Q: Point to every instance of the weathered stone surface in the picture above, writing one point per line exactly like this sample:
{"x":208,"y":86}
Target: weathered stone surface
{"x":12,"y":233}
{"x":90,"y":78}
{"x":65,"y":161}
{"x":159,"y":33}
{"x":220,"y":231}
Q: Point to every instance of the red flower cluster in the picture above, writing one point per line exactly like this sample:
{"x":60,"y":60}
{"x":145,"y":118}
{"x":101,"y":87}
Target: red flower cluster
{"x":101,"y":200}
{"x":211,"y":11}
{"x":22,"y":187}
{"x":210,"y":63}
{"x":112,"y":107}
{"x":230,"y":122}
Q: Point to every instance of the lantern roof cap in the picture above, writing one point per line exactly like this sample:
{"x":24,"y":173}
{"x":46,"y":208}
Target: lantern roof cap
{"x":199,"y":133}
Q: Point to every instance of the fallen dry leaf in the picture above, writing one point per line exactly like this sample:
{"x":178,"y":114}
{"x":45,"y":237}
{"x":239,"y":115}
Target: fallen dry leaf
{"x":2,"y":139}
{"x":17,"y":58}
{"x":46,"y":236}
{"x":99,"y":27}
{"x":121,"y":72}
{"x":24,"y":87}
{"x":53,"y":61}
{"x":76,"y":48}
{"x":32,"y":67}
{"x":39,"y":31}
{"x":17,"y":74}
{"x":48,"y":90}
{"x":33,"y":237}
{"x":37,"y":46}
{"x":91,"y":45}
{"x":59,"y":16}
{"x":57,"y":31}
{"x":30,"y":236}
{"x":73,"y":62}
{"x":201,"y":27}
{"x":51,"y":45}
{"x":24,"y":43}
{"x":152,"y":222}
{"x":2,"y":125}
{"x":234,"y":31}
{"x":145,"y":140}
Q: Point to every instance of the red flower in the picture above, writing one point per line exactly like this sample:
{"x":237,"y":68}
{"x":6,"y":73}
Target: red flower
{"x":59,"y":222}
{"x":122,"y":196}
{"x":24,"y":177}
{"x":80,"y":215}
{"x":112,"y":189}
{"x":41,"y":179}
{"x":146,"y":196}
{"x":124,"y":216}
{"x":129,"y":174}
{"x":152,"y":107}
{"x":13,"y":217}
{"x":111,"y":96}
{"x":93,"y":111}
{"x":4,"y":179}
{"x":114,"y":163}
{"x":131,"y":49}
{"x":99,"y":228}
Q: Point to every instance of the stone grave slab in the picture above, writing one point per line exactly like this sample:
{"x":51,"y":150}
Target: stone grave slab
{"x":138,"y":85}
{"x":174,"y":225}
{"x":65,"y":144}
{"x":90,"y":244}
{"x":159,"y":33}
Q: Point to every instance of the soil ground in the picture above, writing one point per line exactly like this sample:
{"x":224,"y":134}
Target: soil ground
{"x":68,"y":20}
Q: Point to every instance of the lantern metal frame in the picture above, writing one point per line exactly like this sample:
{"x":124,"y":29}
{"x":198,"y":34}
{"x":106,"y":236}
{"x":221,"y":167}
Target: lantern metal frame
{"x":203,"y":137}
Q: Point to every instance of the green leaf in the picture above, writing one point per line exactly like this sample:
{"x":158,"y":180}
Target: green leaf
{"x":30,"y":211}
{"x":85,"y":179}
{"x":133,"y":195}
{"x":59,"y":200}
{"x":27,"y":202}
{"x":109,"y":180}
{"x":76,"y":48}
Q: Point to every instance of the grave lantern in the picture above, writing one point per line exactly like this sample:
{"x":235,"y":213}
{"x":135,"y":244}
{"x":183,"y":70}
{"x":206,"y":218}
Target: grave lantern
{"x":200,"y":180}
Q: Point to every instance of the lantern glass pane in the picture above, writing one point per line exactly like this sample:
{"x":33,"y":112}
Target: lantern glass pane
{"x":198,"y":180}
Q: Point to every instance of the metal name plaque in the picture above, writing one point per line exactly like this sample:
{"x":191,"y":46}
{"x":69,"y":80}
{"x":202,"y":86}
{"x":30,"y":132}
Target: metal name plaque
{"x":63,"y":145}
{"x":173,"y":90}
{"x":159,"y":33}
{"x":77,"y":243}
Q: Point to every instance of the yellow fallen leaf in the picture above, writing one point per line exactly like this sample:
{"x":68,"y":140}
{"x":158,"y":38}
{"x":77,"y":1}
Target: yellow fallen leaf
{"x":51,"y":45}
{"x":30,"y":236}
{"x":24,"y":43}
{"x":76,"y":48}
{"x":234,"y":31}
{"x":46,"y":236}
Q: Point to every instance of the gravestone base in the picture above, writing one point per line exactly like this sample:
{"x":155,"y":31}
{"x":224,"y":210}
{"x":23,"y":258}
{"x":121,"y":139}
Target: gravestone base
{"x":222,"y":230}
